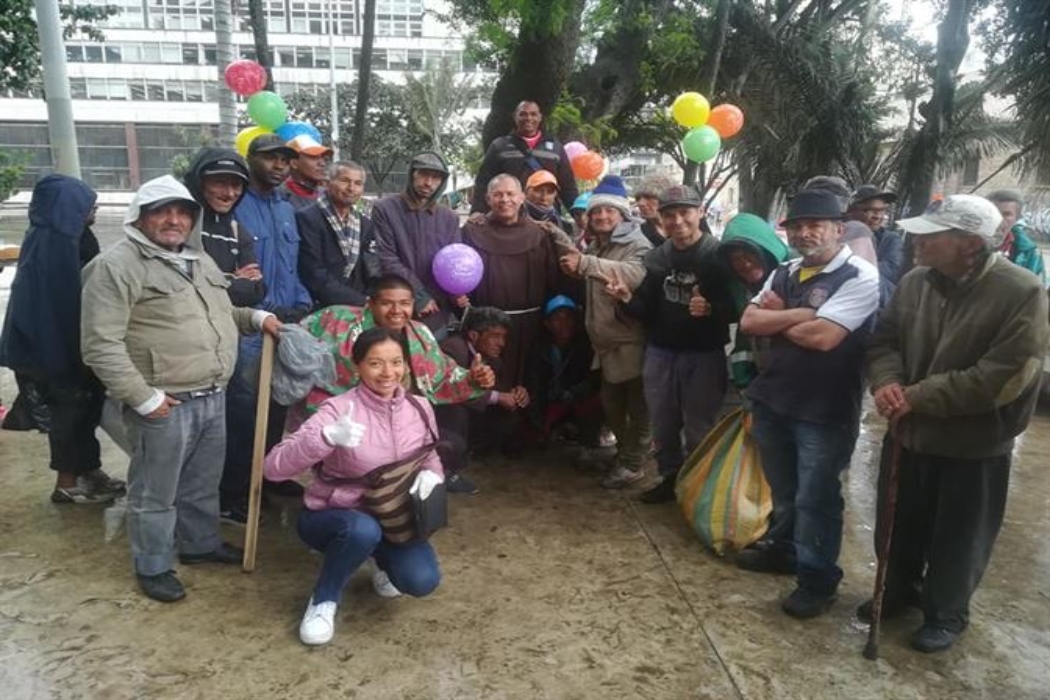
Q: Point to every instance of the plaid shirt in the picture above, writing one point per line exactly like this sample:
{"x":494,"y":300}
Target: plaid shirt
{"x":347,"y":230}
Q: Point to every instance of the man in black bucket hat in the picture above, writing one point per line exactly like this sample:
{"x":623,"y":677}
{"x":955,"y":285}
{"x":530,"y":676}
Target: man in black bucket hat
{"x":806,"y":401}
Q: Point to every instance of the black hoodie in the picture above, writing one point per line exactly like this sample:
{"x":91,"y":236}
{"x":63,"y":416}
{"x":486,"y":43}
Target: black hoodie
{"x":226,"y":241}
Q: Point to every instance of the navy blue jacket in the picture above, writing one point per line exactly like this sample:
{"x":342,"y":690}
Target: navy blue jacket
{"x":42,"y":328}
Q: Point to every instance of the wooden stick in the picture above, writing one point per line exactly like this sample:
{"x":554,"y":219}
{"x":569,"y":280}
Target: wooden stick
{"x":888,"y":515}
{"x":262,"y":417}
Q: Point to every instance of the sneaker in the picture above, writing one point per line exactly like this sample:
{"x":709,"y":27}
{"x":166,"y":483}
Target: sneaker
{"x":607,"y":438}
{"x":620,"y":477}
{"x":383,"y":586}
{"x":163,"y":587}
{"x":930,"y":639}
{"x":101,"y":481}
{"x":456,"y":483}
{"x":804,"y":603}
{"x":661,"y":493}
{"x":318,"y":623}
{"x":767,"y":558}
{"x":225,"y":554}
{"x":236,"y":515}
{"x":81,"y":494}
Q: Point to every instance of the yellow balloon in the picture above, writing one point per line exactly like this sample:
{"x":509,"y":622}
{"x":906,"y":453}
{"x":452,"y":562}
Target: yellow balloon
{"x":246,"y":136}
{"x":691,"y":109}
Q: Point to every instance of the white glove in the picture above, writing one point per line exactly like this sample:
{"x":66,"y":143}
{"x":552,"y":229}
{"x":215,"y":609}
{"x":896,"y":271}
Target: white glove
{"x":425,"y":482}
{"x":345,"y":432}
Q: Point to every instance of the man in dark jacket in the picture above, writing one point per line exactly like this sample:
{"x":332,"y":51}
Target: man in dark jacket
{"x":337,"y":248}
{"x":41,"y":336}
{"x":686,"y":304}
{"x":410,"y":228}
{"x":523,"y":152}
{"x":870,"y":206}
{"x":954,"y":365}
{"x":217,"y":179}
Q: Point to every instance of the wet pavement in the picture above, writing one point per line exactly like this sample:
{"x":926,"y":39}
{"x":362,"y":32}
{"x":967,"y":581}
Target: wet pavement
{"x":552,"y":588}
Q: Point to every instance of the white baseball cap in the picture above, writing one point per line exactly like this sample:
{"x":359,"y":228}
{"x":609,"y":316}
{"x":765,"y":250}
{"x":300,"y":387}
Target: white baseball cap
{"x":304,"y":143}
{"x":965,"y":212}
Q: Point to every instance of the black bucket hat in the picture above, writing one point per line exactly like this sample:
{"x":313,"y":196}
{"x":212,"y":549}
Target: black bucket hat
{"x":814,"y":204}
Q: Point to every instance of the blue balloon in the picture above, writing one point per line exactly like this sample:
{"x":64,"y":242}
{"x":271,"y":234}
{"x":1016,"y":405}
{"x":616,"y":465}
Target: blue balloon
{"x":289,"y":130}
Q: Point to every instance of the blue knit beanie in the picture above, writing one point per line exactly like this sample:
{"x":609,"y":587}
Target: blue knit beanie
{"x":610,"y":192}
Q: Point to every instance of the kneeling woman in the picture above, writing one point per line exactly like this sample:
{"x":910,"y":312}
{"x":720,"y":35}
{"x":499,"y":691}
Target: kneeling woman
{"x":372,"y":425}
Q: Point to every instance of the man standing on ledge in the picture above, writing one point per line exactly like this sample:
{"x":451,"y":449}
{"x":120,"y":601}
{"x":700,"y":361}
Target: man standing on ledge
{"x":523,"y":152}
{"x":955,"y":366}
{"x":806,"y":401}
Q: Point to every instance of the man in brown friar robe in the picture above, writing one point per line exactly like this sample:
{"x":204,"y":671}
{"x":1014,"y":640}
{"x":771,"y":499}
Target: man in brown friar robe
{"x":521,"y":270}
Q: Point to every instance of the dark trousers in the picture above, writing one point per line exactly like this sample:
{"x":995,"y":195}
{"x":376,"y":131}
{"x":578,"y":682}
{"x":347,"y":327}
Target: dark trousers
{"x":453,"y":430}
{"x":76,"y":409}
{"x":948,"y":515}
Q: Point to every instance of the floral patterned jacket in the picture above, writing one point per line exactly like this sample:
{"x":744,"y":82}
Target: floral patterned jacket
{"x":434,"y":374}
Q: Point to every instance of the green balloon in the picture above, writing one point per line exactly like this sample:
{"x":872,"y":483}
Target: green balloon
{"x":701,"y":144}
{"x":267,"y":109}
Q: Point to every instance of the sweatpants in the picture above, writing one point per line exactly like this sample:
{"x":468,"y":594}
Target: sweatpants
{"x":947,"y":518}
{"x":628,"y":417}
{"x":684,"y":391}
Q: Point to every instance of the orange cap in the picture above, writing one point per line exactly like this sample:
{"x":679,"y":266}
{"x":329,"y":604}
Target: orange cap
{"x":542,"y":177}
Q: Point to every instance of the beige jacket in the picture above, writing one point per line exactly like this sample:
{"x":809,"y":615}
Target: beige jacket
{"x":147,"y":325}
{"x":618,"y":339}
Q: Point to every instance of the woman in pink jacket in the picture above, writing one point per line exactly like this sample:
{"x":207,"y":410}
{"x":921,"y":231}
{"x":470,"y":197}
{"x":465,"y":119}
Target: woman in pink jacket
{"x":369,"y":426}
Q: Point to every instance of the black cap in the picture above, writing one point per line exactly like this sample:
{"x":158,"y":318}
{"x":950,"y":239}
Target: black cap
{"x":814,"y":204}
{"x":270,"y":143}
{"x":866,"y":192}
{"x":150,"y":206}
{"x":226,"y":166}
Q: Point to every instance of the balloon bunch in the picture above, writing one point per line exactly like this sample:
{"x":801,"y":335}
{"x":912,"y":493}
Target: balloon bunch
{"x":267,"y":109}
{"x":707,"y":127}
{"x":586,"y":165}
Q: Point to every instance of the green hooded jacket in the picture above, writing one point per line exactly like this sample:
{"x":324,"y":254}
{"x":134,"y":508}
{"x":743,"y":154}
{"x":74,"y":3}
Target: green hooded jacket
{"x":755,"y":235}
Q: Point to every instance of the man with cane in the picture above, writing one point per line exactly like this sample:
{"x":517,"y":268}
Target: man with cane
{"x":954,"y":365}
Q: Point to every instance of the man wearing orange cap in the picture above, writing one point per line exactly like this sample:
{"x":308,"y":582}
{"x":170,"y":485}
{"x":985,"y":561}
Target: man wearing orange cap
{"x":541,"y":197}
{"x":308,"y":171}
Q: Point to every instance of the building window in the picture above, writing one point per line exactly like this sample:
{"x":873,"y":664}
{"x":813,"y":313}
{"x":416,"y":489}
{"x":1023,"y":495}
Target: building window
{"x":304,"y":57}
{"x":209,"y":55}
{"x":155,"y":90}
{"x":78,"y":88}
{"x":971,"y":171}
{"x":191,"y":54}
{"x":93,"y":54}
{"x":74,"y":54}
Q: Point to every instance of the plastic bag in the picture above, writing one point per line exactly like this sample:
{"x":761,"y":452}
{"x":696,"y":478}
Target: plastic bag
{"x":303,"y":362}
{"x":721,"y":488}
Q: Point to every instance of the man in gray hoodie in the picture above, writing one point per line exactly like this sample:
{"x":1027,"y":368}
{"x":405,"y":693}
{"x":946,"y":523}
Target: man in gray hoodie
{"x":159,"y":331}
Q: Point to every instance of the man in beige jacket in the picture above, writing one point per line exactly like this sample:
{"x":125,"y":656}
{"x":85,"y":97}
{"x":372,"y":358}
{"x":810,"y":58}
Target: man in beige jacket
{"x":614,"y":260}
{"x":159,"y":331}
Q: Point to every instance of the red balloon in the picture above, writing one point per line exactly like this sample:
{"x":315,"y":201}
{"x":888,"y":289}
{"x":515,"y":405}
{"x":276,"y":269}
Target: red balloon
{"x":588,"y":165}
{"x":727,"y":120}
{"x":245,"y":77}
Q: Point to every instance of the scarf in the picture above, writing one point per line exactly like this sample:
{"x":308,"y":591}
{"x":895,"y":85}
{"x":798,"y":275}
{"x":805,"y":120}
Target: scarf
{"x":347,"y":232}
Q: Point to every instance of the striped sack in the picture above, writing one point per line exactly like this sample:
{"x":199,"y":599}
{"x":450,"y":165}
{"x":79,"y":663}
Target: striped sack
{"x":721,"y":488}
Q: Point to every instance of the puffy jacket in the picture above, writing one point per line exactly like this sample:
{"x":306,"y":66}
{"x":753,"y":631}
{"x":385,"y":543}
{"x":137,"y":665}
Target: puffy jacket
{"x":618,"y":338}
{"x":221,"y":237}
{"x":148,"y":326}
{"x":510,"y":154}
{"x":271,"y":222}
{"x":394,"y":430}
{"x":755,"y":235}
{"x":42,"y":326}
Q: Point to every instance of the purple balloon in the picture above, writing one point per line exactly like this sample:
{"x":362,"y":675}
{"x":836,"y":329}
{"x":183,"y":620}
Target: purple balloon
{"x":458,"y":269}
{"x":574,"y":148}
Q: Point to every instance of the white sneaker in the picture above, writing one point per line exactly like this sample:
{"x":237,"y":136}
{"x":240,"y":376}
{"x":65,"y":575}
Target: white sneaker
{"x":318,"y":623}
{"x":383,"y":586}
{"x":620,"y":477}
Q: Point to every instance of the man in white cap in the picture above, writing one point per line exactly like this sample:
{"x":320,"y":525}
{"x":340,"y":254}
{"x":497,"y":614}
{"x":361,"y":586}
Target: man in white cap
{"x":954,"y":365}
{"x":308,"y":171}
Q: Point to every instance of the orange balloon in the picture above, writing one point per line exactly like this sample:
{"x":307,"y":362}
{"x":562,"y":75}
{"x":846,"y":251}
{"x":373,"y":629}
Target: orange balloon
{"x":727,"y":120}
{"x":588,"y":165}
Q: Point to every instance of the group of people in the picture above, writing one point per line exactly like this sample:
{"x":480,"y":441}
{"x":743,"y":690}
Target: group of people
{"x":608,"y":320}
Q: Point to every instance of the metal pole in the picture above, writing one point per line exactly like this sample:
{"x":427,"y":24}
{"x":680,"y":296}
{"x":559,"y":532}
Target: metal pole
{"x":334,"y":116}
{"x":60,"y":126}
{"x":224,"y":55}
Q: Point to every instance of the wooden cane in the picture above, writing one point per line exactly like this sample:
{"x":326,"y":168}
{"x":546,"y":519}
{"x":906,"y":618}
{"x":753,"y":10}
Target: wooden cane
{"x":889,"y":512}
{"x":262,"y":417}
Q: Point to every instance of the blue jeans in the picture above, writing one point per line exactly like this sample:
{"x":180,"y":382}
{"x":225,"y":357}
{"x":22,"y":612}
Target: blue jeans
{"x":802,"y":462}
{"x":347,"y":538}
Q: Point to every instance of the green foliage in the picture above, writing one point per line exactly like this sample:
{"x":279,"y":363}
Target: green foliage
{"x":494,"y":26}
{"x":12,"y":167}
{"x":434,"y":102}
{"x":567,"y":117}
{"x":19,"y":43}
{"x":190,"y":140}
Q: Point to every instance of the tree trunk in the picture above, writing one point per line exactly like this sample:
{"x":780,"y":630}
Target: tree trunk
{"x":224,"y":55}
{"x":364,"y":81}
{"x":719,"y":32}
{"x":920,"y":168}
{"x":538,"y":71}
{"x":262,"y":44}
